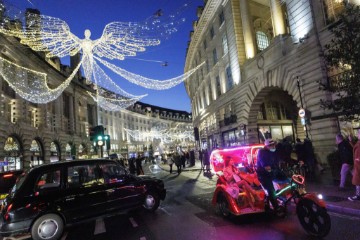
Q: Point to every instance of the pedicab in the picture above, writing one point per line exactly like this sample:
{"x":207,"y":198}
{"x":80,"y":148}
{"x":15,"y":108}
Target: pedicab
{"x":310,"y":207}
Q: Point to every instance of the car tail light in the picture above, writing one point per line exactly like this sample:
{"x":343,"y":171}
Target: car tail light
{"x":8,"y":209}
{"x":8,"y":175}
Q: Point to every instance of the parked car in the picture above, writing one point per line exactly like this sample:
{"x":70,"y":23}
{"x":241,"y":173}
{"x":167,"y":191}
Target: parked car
{"x":49,"y":197}
{"x":7,"y":181}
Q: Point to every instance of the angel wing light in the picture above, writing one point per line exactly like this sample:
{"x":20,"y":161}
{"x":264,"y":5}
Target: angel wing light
{"x":119,"y":40}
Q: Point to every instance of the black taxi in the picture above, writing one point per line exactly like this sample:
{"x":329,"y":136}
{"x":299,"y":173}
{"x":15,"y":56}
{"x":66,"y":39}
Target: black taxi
{"x":49,"y":197}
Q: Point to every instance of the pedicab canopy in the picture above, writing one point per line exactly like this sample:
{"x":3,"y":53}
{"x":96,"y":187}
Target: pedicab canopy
{"x":243,"y":156}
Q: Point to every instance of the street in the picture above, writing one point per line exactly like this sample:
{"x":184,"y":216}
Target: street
{"x":187,"y":213}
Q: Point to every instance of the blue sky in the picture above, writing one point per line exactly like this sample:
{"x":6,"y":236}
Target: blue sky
{"x":95,"y":14}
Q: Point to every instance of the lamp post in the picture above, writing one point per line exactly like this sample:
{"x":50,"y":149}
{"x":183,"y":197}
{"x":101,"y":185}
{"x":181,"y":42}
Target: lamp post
{"x":302,"y":107}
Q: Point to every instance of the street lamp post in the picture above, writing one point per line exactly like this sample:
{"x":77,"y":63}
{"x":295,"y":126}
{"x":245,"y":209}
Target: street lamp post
{"x":302,"y":105}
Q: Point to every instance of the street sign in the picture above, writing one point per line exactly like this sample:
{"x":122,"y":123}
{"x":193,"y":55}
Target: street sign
{"x":301,"y":112}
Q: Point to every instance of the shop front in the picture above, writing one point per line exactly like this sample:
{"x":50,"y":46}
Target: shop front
{"x":13,"y":159}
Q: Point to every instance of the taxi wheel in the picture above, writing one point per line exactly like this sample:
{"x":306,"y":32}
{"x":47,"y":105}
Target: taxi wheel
{"x":49,"y":227}
{"x":151,"y":202}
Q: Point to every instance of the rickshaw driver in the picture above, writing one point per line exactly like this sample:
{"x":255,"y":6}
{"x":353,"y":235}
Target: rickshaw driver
{"x":268,"y":170}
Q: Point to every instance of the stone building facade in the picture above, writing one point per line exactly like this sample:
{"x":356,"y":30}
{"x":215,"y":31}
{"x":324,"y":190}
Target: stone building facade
{"x":263,"y":64}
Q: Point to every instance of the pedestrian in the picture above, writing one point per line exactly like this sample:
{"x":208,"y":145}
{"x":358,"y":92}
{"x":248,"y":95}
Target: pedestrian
{"x":268,"y":170}
{"x":346,"y":159}
{"x":132,"y":167}
{"x":356,"y":171}
{"x":177,"y":161}
{"x":299,"y":150}
{"x":170,"y":161}
{"x":192,"y":158}
{"x":206,"y":160}
{"x":138,"y":163}
{"x":309,"y":155}
{"x":187,"y":157}
{"x":183,"y":159}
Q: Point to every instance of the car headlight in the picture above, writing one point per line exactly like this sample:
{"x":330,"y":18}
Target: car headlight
{"x":320,"y":196}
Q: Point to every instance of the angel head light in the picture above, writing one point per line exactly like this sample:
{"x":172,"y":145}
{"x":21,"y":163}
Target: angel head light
{"x":87,"y":34}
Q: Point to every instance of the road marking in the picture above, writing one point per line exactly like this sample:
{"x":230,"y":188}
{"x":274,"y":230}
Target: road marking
{"x":343,"y":216}
{"x":64,"y":236}
{"x":134,"y":224}
{"x":165,"y":211}
{"x":99,"y":226}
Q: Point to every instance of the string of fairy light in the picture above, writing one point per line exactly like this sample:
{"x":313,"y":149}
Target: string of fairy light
{"x":119,"y":40}
{"x":165,"y":135}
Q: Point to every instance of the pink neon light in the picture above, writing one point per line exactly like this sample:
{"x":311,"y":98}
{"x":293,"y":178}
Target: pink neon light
{"x":242,"y":156}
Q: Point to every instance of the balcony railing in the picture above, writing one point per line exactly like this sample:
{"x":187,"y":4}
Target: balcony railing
{"x":228,"y":120}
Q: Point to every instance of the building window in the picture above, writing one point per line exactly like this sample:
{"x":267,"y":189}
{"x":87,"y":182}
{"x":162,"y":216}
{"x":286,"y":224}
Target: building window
{"x":225,"y":44}
{"x":262,"y":40}
{"x":218,"y":86}
{"x":221,"y":18}
{"x":212,"y":32}
{"x":210,"y":93}
{"x":229,"y":78}
{"x":66,"y":106}
{"x":215,"y":58}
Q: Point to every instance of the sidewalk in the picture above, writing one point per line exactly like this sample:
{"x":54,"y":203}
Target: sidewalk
{"x":336,"y":201}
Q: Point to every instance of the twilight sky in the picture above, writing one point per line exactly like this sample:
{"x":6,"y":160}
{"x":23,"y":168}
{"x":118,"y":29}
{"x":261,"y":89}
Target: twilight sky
{"x":95,"y":14}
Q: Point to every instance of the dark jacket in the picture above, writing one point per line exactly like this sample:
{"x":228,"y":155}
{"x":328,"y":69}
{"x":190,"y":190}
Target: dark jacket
{"x":267,"y":158}
{"x":345,"y":152}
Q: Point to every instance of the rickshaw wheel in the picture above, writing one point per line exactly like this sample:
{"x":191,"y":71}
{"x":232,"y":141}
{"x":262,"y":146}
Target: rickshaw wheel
{"x":223,"y":206}
{"x":313,"y":218}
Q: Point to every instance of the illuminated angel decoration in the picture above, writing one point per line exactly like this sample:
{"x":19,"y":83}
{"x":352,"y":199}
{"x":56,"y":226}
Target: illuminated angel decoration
{"x":118,"y":41}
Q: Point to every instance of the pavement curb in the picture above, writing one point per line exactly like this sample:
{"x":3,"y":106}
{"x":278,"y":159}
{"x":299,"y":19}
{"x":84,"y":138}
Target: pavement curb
{"x":342,"y":210}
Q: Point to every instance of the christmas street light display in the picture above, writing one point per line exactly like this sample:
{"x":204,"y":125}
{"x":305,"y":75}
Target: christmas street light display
{"x":32,"y":85}
{"x":118,"y":41}
{"x":165,"y":135}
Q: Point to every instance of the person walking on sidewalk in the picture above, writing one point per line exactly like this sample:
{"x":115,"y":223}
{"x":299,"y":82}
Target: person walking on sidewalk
{"x":356,"y":171}
{"x":346,"y":158}
{"x":170,"y":161}
{"x":177,"y":161}
{"x":206,"y":160}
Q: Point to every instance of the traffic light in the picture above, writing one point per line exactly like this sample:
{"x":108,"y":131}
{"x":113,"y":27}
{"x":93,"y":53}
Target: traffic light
{"x":107,"y":141}
{"x":95,"y":132}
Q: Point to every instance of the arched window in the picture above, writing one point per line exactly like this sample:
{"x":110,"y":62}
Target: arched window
{"x":262,"y":40}
{"x":37,"y":155}
{"x":13,"y":155}
{"x":54,"y":152}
